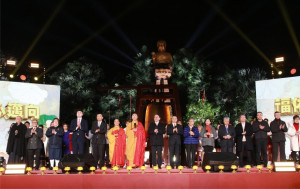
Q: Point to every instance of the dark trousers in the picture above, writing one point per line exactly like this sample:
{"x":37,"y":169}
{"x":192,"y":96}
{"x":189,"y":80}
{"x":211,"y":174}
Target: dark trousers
{"x":281,"y":150}
{"x":107,"y":154}
{"x":78,"y":147}
{"x":13,"y":157}
{"x":208,"y":148}
{"x":30,"y":157}
{"x":227,"y":145}
{"x":174,"y":150}
{"x":261,"y":147}
{"x":190,"y":154}
{"x":98,"y":153}
{"x":158,"y":150}
{"x":241,"y":155}
{"x":294,"y":156}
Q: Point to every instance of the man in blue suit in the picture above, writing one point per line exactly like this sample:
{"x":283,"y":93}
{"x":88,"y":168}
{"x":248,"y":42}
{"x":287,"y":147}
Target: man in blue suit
{"x":79,"y":127}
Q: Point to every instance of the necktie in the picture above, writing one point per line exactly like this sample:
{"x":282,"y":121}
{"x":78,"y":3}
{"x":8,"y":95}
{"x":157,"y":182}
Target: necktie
{"x":226,"y":129}
{"x":78,"y":121}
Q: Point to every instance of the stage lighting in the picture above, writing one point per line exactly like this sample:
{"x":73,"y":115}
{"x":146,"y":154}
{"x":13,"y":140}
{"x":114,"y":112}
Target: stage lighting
{"x":279,"y":59}
{"x":11,"y":62}
{"x":79,"y":169}
{"x":129,"y":168}
{"x":55,"y":169}
{"x":92,"y":169}
{"x":11,"y":75}
{"x":279,"y":72}
{"x":143,"y":168}
{"x":285,"y":166}
{"x":36,"y":78}
{"x":34,"y":65}
{"x":14,"y":169}
{"x":293,"y":71}
{"x":234,"y":168}
{"x":23,"y":77}
{"x":28,"y":169}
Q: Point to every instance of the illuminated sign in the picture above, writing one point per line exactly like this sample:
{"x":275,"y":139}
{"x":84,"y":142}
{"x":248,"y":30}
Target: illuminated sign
{"x":12,"y":110}
{"x":287,"y":106}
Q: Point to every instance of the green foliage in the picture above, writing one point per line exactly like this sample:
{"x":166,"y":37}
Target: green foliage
{"x":189,"y":72}
{"x":78,"y":81}
{"x":112,"y":108}
{"x":234,"y":91}
{"x":142,"y":73}
{"x":199,"y":111}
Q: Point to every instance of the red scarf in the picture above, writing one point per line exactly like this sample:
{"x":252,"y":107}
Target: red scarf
{"x":208,"y":129}
{"x":297,"y":128}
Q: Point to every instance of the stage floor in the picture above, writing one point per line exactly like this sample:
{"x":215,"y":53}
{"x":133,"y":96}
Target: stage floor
{"x":162,"y":179}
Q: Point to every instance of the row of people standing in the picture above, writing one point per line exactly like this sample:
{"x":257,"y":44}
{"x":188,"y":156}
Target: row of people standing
{"x":130,"y":143}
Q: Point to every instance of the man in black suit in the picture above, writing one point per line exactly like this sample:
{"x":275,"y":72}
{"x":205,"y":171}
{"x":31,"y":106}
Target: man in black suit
{"x":261,"y":129}
{"x":99,"y":129}
{"x":244,"y":143}
{"x":174,"y":131}
{"x":278,"y":128}
{"x":156,"y":131}
{"x":226,"y":134}
{"x":34,"y":144}
{"x":79,"y":127}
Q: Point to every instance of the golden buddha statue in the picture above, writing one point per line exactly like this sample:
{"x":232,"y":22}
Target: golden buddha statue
{"x":162,"y":57}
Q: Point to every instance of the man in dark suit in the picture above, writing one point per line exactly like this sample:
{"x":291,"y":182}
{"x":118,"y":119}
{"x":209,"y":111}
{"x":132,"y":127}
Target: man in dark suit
{"x":174,"y":131}
{"x":99,"y":129}
{"x":244,"y":143}
{"x":278,"y":127}
{"x":79,"y":127}
{"x":156,"y":131}
{"x":34,"y":144}
{"x":226,"y":134}
{"x":261,"y":129}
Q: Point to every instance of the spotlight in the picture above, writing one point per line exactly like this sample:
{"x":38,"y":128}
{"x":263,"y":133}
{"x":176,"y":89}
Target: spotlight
{"x":23,"y":77}
{"x":34,"y":65}
{"x":279,"y":72}
{"x":36,"y":78}
{"x":293,"y":71}
{"x":279,"y":59}
{"x":11,"y":62}
{"x":11,"y":75}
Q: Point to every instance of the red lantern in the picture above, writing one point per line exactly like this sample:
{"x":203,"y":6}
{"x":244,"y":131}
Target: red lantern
{"x":23,"y":77}
{"x":293,"y":71}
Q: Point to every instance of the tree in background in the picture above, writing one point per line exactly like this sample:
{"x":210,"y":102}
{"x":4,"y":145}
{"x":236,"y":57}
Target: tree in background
{"x":78,"y":81}
{"x":199,"y":111}
{"x":116,"y":103}
{"x":234,"y":91}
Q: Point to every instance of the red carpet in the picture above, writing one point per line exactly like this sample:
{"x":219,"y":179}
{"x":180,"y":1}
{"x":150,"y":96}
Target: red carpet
{"x":151,"y":180}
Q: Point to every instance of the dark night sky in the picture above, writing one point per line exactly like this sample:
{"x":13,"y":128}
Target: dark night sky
{"x":149,"y":21}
